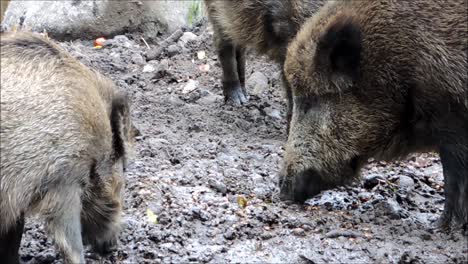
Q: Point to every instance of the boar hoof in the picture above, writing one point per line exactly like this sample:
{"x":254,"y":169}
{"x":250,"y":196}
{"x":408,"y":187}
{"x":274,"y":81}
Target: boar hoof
{"x":105,"y":247}
{"x":235,"y":95}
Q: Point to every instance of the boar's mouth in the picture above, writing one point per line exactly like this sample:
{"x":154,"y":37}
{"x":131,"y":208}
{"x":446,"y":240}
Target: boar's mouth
{"x":308,"y":183}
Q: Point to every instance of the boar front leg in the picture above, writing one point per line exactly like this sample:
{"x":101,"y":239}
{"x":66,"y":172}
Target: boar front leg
{"x":240,"y":59}
{"x":232,"y":88}
{"x":455,"y":166}
{"x":10,"y":242}
{"x":65,"y":226}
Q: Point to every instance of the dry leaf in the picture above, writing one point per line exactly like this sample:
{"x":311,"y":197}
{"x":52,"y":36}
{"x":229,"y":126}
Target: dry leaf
{"x":241,"y":201}
{"x":152,"y":217}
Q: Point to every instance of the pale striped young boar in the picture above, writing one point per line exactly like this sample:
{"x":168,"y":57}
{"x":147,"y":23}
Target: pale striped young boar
{"x":65,"y":139}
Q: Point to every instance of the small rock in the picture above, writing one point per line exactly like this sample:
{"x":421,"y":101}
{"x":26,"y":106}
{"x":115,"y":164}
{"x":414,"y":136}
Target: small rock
{"x":370,"y":181}
{"x":204,"y":68}
{"x":364,"y":196}
{"x":148,"y":68}
{"x":229,"y":234}
{"x":299,"y":232}
{"x":188,"y":37}
{"x":266,"y":236}
{"x":341,"y":233}
{"x":406,"y":182}
{"x":231,"y":218}
{"x":201,"y":55}
{"x":259,"y":83}
{"x":219,"y":186}
{"x":138,"y":59}
{"x":191,"y":86}
{"x":176,"y":101}
{"x":153,"y":54}
{"x":121,"y":38}
{"x":390,"y":208}
{"x":110,"y":43}
{"x":408,"y":258}
{"x":261,"y":192}
{"x":273,"y":113}
{"x":209,"y":99}
{"x":173,"y":50}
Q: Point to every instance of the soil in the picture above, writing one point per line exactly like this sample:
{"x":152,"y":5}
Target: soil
{"x":203,"y":185}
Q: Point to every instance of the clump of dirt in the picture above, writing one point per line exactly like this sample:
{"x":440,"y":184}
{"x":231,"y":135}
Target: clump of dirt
{"x":203,"y":187}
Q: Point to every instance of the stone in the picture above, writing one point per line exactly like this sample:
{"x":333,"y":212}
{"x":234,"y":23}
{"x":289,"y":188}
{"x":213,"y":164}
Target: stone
{"x":258,"y":83}
{"x":138,"y":59}
{"x":191,"y":86}
{"x":188,"y":37}
{"x":173,"y":50}
{"x":149,"y":68}
{"x":405,"y":182}
{"x":80,"y":19}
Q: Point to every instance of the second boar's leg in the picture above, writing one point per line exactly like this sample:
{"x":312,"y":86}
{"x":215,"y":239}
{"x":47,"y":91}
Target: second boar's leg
{"x":65,"y":226}
{"x":289,"y":98}
{"x":232,"y":88}
{"x":456,"y":186}
{"x":240,"y":59}
{"x":10,"y":243}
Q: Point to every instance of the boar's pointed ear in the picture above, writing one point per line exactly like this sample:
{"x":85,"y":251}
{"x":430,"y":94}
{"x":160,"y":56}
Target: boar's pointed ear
{"x":119,"y":107}
{"x":339,"y":48}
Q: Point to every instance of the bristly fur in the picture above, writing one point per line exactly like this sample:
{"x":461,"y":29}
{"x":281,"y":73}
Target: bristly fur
{"x":267,"y":26}
{"x":379,"y":79}
{"x":65,"y":133}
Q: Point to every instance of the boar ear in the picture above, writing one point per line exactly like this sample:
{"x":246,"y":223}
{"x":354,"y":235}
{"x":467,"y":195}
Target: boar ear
{"x":118,"y":110}
{"x":339,"y":48}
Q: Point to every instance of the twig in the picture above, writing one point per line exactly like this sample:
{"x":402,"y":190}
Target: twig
{"x":146,"y":43}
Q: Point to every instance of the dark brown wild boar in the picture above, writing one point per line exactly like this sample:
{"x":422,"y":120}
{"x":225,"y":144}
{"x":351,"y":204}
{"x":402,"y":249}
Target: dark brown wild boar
{"x":264,"y":25}
{"x":378,"y":79}
{"x":65,"y":138}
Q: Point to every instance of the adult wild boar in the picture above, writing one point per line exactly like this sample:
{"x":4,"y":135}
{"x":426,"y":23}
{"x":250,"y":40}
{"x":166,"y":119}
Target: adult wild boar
{"x":378,"y":79}
{"x":65,"y":137}
{"x":267,"y":26}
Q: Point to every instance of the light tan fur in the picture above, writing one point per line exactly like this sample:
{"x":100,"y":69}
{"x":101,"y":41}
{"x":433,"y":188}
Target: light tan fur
{"x":60,"y":121}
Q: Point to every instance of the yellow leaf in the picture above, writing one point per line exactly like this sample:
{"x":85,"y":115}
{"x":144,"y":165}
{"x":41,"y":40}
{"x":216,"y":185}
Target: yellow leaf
{"x":152,"y":217}
{"x":241,"y":201}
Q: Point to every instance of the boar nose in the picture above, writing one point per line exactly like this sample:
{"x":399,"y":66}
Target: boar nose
{"x":300,"y":187}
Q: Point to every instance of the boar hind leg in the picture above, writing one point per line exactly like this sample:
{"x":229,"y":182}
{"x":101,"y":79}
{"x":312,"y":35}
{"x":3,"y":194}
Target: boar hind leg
{"x":232,"y":88}
{"x":10,"y":243}
{"x":65,"y":226}
{"x":455,"y":166}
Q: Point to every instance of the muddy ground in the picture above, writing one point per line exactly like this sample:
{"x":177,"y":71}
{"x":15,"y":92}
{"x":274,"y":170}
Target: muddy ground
{"x":208,"y":173}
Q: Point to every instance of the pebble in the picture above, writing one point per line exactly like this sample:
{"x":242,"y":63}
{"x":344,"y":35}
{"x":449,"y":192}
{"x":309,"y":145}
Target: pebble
{"x":261,"y":192}
{"x":173,"y":50}
{"x":372,"y":180}
{"x":406,"y":182}
{"x":298,"y":232}
{"x":218,"y":186}
{"x":273,"y":113}
{"x":138,"y":59}
{"x":188,"y":37}
{"x":191,"y":86}
{"x":149,"y":68}
{"x":389,"y":208}
{"x":229,"y":234}
{"x":364,"y":196}
{"x":259,"y":83}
